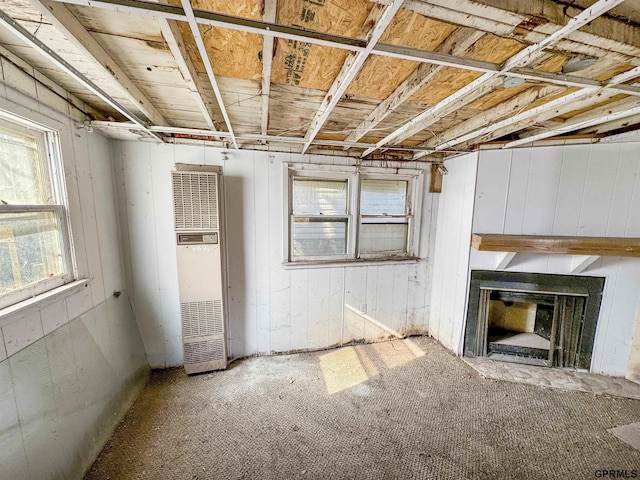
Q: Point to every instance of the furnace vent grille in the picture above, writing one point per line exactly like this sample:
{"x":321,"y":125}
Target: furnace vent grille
{"x":195,"y":201}
{"x":201,"y":318}
{"x":204,"y":351}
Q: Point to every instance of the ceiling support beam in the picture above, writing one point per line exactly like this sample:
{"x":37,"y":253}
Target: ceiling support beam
{"x":494,"y":114}
{"x":250,"y":137}
{"x":195,"y":30}
{"x":69,"y":26}
{"x":349,"y":70}
{"x":470,"y":131}
{"x":605,"y":128}
{"x":175,"y":42}
{"x":607,"y":113}
{"x":26,"y":36}
{"x":500,"y":17}
{"x":469,"y":92}
{"x":457,"y":43}
{"x":269,"y":15}
{"x":171,"y":12}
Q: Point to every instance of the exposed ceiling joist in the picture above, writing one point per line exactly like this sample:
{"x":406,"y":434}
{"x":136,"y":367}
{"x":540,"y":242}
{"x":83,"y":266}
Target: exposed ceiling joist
{"x":336,"y":41}
{"x":195,"y":30}
{"x":61,"y":18}
{"x":269,"y":15}
{"x":500,"y":17}
{"x":250,"y":137}
{"x":494,"y":114}
{"x":607,"y":127}
{"x":579,"y":99}
{"x":175,"y":42}
{"x":607,"y":113}
{"x":469,"y":92}
{"x":456,"y":44}
{"x":487,"y":19}
{"x":349,"y":70}
{"x":468,"y":131}
{"x":26,"y":36}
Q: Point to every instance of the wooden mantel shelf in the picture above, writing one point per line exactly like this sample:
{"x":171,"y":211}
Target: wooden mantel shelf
{"x":600,"y":246}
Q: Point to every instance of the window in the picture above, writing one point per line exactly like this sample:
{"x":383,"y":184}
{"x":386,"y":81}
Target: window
{"x":351,"y":213}
{"x":34,"y":247}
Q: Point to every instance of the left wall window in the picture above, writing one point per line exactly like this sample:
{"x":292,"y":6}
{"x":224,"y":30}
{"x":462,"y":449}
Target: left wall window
{"x":35,"y":251}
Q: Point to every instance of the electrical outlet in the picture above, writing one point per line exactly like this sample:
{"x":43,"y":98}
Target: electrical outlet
{"x":363,"y":307}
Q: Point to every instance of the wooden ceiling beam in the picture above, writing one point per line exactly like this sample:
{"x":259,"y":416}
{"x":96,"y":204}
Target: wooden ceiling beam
{"x":614,"y":33}
{"x":606,"y":34}
{"x":519,"y":60}
{"x":175,"y":42}
{"x":574,"y":101}
{"x":250,"y":137}
{"x":204,"y":55}
{"x":259,"y":27}
{"x":69,"y":26}
{"x":456,"y":44}
{"x":349,"y":70}
{"x":464,"y":13}
{"x":269,"y":15}
{"x":19,"y":31}
{"x":607,"y":127}
{"x":606,"y":113}
{"x":492,"y":115}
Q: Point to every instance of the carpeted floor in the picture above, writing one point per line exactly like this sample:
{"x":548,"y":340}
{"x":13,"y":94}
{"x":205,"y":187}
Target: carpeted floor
{"x":402,"y":409}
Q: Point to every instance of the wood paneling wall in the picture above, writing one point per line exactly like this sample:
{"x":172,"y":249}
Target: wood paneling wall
{"x":271,"y":309}
{"x":71,"y":365}
{"x":584,"y":190}
{"x":451,"y":259}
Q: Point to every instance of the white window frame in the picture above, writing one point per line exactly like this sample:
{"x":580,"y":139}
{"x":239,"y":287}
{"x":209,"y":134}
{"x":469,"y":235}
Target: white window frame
{"x":354,"y":177}
{"x":54,"y":172}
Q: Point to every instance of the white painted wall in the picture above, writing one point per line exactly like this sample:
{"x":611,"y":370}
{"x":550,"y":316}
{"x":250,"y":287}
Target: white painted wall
{"x":451,"y":258}
{"x":71,"y":366}
{"x":586,"y":190}
{"x":271,"y":309}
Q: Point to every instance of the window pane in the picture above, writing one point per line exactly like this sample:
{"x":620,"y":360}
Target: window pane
{"x":313,"y":237}
{"x":383,"y":237}
{"x":315,"y":197}
{"x":21,"y":172}
{"x":379,"y":197}
{"x":30,"y":249}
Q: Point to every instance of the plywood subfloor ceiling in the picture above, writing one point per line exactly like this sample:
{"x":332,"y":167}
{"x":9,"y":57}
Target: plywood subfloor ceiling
{"x":388,"y":79}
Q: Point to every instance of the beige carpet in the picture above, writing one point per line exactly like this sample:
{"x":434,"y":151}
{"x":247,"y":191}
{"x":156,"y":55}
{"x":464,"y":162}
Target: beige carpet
{"x":402,"y":409}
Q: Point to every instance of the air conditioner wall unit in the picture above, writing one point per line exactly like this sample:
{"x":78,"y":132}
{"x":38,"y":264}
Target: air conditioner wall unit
{"x":198,"y":222}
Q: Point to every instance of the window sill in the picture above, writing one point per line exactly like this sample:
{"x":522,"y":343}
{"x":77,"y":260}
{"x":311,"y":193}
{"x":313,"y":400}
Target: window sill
{"x":364,"y":262}
{"x":43,"y":299}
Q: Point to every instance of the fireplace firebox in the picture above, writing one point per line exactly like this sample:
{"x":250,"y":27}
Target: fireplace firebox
{"x":538,"y":319}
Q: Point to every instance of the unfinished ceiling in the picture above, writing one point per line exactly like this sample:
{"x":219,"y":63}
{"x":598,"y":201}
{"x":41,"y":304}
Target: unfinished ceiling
{"x":387,"y":79}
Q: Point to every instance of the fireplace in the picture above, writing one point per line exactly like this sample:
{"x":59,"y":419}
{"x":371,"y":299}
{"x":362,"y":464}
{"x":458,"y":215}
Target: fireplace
{"x":537,"y":319}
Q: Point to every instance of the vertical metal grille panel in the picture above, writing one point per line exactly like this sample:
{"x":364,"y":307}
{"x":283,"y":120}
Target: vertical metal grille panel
{"x":201,"y":318}
{"x":195,"y":198}
{"x":204,"y":351}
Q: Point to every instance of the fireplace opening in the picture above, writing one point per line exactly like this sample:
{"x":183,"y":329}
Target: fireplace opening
{"x":536,"y":319}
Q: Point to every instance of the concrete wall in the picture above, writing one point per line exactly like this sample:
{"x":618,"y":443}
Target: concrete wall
{"x":586,"y":190}
{"x":272,"y":309}
{"x":70,"y":366}
{"x":451,"y":258}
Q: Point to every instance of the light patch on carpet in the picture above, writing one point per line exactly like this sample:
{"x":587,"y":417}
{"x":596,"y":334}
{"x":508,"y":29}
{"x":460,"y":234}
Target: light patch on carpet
{"x":628,"y":433}
{"x":394,"y":354}
{"x":342,"y":369}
